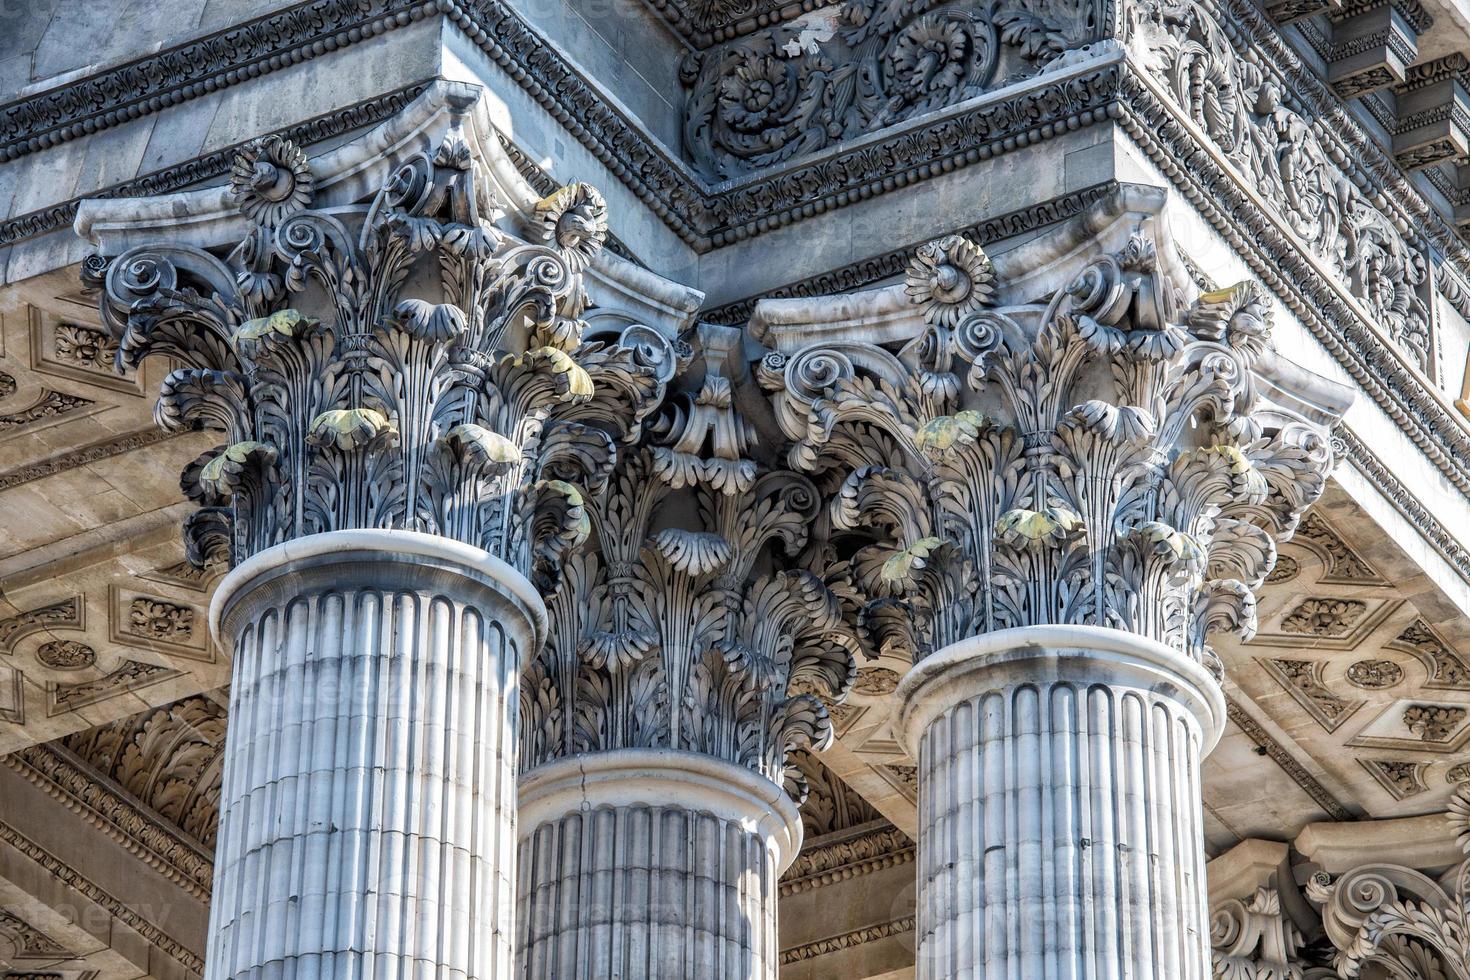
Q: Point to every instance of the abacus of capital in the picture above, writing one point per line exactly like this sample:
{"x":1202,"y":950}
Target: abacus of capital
{"x":528,"y":615}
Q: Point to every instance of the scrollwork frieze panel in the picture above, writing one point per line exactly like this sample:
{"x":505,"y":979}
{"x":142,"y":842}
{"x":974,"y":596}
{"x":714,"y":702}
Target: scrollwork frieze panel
{"x":831,"y":74}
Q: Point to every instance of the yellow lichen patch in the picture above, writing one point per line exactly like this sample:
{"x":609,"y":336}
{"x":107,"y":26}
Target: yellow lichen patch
{"x":349,"y":428}
{"x":943,"y":434}
{"x":282,"y":323}
{"x":1054,"y":523}
{"x":911,"y":559}
{"x":492,"y":447}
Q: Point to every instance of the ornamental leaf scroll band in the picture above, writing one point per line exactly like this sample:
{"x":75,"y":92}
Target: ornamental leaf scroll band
{"x":1101,"y":458}
{"x":398,"y":363}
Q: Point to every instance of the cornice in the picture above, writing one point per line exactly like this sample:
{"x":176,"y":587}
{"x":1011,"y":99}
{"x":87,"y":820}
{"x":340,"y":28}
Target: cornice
{"x":94,"y":893}
{"x":336,"y":123}
{"x":142,"y":834}
{"x":1156,"y":126}
{"x":1278,"y":754}
{"x":838,"y":857}
{"x":847,"y":940}
{"x":703,"y":28}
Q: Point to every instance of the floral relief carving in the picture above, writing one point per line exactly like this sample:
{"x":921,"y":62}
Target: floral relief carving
{"x":155,"y":619}
{"x":1303,"y":680}
{"x":1401,"y":779}
{"x":64,"y":613}
{"x":830,"y":806}
{"x":1433,"y":722}
{"x":131,"y":674}
{"x":85,"y":347}
{"x":1446,"y":667}
{"x":1243,"y":108}
{"x":50,"y":404}
{"x":799,"y":87}
{"x":1090,"y":459}
{"x":1324,"y":617}
{"x":1341,"y":563}
{"x":168,"y":758}
{"x":876,"y":681}
{"x":1287,"y":568}
{"x":66,"y":655}
{"x":1375,"y":674}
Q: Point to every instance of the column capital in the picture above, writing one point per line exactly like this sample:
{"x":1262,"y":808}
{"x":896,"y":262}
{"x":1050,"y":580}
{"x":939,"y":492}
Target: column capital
{"x":1080,"y":437}
{"x":409,"y":356}
{"x":691,"y":622}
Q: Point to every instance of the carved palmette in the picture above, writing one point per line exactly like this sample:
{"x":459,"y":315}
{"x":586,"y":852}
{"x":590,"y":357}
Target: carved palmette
{"x":398,"y":363}
{"x":1092,"y":460}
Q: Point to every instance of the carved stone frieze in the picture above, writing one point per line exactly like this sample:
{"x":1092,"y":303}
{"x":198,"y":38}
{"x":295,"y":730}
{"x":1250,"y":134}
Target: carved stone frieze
{"x":832,"y":74}
{"x":168,"y":758}
{"x":1014,"y":466}
{"x":1244,"y":112}
{"x":1387,"y":920}
{"x":399,"y":364}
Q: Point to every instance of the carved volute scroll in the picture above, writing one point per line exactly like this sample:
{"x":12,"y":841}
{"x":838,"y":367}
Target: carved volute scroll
{"x":402,"y":362}
{"x":1389,"y":920}
{"x":1105,"y":457}
{"x":686,"y":623}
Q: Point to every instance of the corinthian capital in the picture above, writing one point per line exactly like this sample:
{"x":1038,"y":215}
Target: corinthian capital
{"x":1115,"y":452}
{"x":399,"y":360}
{"x":685,"y":623}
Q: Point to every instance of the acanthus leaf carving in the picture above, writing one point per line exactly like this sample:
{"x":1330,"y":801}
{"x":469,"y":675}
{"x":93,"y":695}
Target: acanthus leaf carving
{"x":1096,"y":458}
{"x":689,"y":624}
{"x":398,"y":363}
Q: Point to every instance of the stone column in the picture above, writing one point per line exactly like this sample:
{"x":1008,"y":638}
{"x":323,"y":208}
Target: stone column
{"x":651,"y":863}
{"x":1060,"y":824}
{"x":404,"y":451}
{"x":1050,"y":503}
{"x":655,"y":815}
{"x":368,"y":819}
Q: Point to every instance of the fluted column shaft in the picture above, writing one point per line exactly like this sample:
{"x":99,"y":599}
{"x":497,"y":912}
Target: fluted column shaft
{"x":651,"y":864}
{"x":367,"y":821}
{"x":1059,"y":807}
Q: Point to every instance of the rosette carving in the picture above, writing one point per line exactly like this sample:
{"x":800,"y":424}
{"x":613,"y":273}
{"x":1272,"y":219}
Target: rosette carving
{"x":690,"y":625}
{"x":399,"y":363}
{"x":1100,"y":459}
